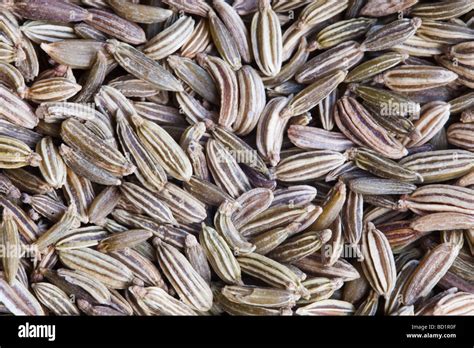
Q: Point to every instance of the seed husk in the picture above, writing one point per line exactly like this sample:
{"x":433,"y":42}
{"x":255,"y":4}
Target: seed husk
{"x":379,"y":263}
{"x":268,"y":157}
{"x":429,"y":271}
{"x":169,"y":40}
{"x":266,"y":38}
{"x":360,"y":127}
{"x":143,"y":67}
{"x":190,"y":286}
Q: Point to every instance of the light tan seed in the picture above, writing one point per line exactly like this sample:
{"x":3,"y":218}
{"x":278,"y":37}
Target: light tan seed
{"x":327,"y":307}
{"x":15,"y":110}
{"x":310,"y":96}
{"x":52,"y":89}
{"x":270,"y":130}
{"x":159,"y":302}
{"x":223,"y":221}
{"x":220,"y":256}
{"x":190,"y":286}
{"x":140,"y":13}
{"x":197,"y":257}
{"x":10,"y":241}
{"x":54,"y":299}
{"x":431,"y":269}
{"x":410,"y":78}
{"x":123,"y":240}
{"x":308,"y":165}
{"x":440,"y":165}
{"x":271,"y":272}
{"x":252,"y":100}
{"x":379,"y":264}
{"x":461,"y":135}
{"x":255,"y":296}
{"x":78,"y":54}
{"x":266,"y":37}
{"x":171,"y":39}
{"x":109,"y":271}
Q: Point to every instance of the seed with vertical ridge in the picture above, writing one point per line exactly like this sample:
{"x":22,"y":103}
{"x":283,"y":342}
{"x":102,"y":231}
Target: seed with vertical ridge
{"x":267,"y":43}
{"x":139,"y":13}
{"x":189,"y":285}
{"x":197,"y":257}
{"x":225,"y":170}
{"x":10,"y":241}
{"x":227,"y":85}
{"x":360,"y":127}
{"x":105,"y":269}
{"x":308,"y":165}
{"x":195,"y":77}
{"x":271,"y":272}
{"x":440,"y":165}
{"x":91,"y":146}
{"x":224,"y":41}
{"x":391,"y":34}
{"x":52,"y":166}
{"x":430,"y":270}
{"x":374,"y":163}
{"x":410,"y":78}
{"x":341,"y":57}
{"x":379,"y":264}
{"x":252,"y":100}
{"x":16,"y":154}
{"x":169,"y":40}
{"x":143,"y":67}
{"x":226,"y":228}
{"x":54,"y":299}
{"x":310,"y":96}
{"x":327,"y":307}
{"x":52,"y":89}
{"x":220,"y":256}
{"x":116,"y":26}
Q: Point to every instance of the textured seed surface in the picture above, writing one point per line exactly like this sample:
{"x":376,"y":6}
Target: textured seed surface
{"x":247,"y":157}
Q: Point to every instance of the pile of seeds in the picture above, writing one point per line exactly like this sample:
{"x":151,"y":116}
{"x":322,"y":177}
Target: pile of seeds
{"x":248,"y":157}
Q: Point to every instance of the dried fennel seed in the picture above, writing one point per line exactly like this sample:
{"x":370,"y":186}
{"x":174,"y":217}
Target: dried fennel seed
{"x":210,"y":157}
